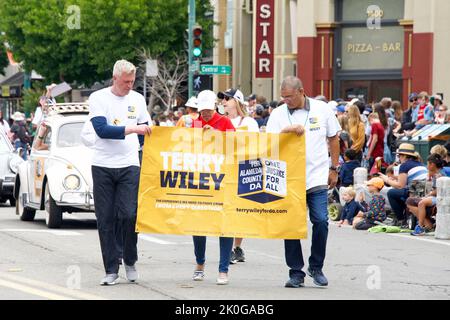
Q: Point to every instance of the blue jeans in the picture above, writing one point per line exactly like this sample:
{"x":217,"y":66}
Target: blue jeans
{"x":19,"y":144}
{"x":318,"y":213}
{"x":226,"y":245}
{"x":397,"y":199}
{"x":115,"y":199}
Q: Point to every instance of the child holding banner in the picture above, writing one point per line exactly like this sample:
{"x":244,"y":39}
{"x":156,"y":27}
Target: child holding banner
{"x":209,"y":119}
{"x":233,"y":101}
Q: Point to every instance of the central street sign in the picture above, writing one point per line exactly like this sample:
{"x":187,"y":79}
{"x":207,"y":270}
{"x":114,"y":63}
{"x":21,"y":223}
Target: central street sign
{"x":209,"y":69}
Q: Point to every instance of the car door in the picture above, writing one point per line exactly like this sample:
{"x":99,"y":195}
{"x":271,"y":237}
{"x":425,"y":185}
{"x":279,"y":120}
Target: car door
{"x":38,"y":157}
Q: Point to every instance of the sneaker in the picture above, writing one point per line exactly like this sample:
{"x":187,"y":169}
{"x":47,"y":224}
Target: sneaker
{"x":295,"y":283}
{"x":131,"y":273}
{"x":198,"y":275}
{"x":318,"y":277}
{"x":239,"y":254}
{"x":110,"y":279}
{"x":418,"y":231}
{"x":233,"y":259}
{"x":222,"y":279}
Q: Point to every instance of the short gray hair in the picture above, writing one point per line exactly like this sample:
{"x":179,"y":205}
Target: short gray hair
{"x":291,"y":82}
{"x":123,"y":66}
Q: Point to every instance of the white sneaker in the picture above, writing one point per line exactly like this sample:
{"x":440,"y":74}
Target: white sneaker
{"x":222,"y":280}
{"x":131,"y":273}
{"x":110,"y":279}
{"x":199,"y":275}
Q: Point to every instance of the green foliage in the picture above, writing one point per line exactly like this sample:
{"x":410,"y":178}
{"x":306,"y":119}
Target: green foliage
{"x":40,"y":34}
{"x":31,"y":97}
{"x":3,"y":56}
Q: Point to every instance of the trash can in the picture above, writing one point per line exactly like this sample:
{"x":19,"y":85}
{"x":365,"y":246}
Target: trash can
{"x":427,"y":137}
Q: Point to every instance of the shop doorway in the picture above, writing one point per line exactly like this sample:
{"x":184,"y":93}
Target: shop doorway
{"x":371,"y":90}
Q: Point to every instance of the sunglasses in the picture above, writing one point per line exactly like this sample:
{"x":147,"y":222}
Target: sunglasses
{"x":227,"y":98}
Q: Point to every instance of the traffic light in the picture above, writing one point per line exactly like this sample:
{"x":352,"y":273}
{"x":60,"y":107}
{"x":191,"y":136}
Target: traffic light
{"x":197,"y":42}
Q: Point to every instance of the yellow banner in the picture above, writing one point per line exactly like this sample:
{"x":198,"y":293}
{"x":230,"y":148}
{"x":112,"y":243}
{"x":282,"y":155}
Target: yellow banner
{"x":212,"y":183}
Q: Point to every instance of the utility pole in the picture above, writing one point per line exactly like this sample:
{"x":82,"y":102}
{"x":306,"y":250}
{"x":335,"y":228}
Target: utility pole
{"x":191,"y":12}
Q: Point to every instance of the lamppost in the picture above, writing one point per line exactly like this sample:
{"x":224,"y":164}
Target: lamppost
{"x":191,"y":12}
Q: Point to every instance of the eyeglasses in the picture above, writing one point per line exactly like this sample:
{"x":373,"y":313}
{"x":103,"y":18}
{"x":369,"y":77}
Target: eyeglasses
{"x":227,"y":98}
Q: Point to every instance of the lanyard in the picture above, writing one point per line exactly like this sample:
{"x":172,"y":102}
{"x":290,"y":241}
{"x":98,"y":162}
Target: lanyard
{"x":291,"y":118}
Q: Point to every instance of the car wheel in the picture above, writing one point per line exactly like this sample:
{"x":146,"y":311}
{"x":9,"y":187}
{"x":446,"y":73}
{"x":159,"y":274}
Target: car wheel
{"x":53,"y":217}
{"x":334,"y":211}
{"x":12,"y":201}
{"x":25,"y":214}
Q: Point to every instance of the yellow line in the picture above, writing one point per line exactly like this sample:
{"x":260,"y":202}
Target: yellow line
{"x":32,"y":291}
{"x":74,"y":293}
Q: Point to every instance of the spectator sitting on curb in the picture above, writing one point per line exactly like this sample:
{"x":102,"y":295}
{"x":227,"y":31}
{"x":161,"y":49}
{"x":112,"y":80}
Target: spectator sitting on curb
{"x":374,"y":211}
{"x":419,"y":207}
{"x":351,"y":207}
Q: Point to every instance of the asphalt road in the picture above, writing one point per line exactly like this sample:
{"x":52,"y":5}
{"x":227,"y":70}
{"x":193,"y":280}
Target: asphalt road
{"x":38,"y":263}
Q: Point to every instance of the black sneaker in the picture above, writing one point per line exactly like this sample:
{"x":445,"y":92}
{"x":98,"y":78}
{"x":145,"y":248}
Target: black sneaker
{"x":295,"y":283}
{"x":233,"y":257}
{"x":239,"y":254}
{"x":318,"y":277}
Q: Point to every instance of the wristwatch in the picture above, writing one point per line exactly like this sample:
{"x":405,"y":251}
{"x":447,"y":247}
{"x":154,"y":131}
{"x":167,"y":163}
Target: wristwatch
{"x":335,"y":168}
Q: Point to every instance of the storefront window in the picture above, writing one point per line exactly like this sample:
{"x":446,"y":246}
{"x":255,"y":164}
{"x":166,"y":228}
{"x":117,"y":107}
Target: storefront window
{"x":365,"y":49}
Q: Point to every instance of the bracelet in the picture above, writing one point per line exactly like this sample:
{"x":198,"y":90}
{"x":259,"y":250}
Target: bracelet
{"x":41,"y":138}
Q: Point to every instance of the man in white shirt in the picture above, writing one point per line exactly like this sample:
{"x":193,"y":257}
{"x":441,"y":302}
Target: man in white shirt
{"x":316,"y":120}
{"x":118,"y":115}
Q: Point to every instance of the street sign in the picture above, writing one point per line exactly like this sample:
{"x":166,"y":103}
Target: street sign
{"x":209,"y":69}
{"x":151,"y":68}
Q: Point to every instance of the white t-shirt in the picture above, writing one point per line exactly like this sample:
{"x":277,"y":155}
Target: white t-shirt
{"x":320,"y":123}
{"x":118,"y":111}
{"x":246,"y":124}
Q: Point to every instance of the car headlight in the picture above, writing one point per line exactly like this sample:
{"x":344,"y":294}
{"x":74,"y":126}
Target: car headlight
{"x":72,"y":182}
{"x":14,"y":163}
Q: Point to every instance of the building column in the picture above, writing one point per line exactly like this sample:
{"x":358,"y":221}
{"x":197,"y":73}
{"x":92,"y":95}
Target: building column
{"x":323,"y":84}
{"x":407,"y":64}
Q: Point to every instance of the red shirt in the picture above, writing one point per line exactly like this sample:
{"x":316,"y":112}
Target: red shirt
{"x":378,"y":129}
{"x":218,"y":122}
{"x":421,"y":114}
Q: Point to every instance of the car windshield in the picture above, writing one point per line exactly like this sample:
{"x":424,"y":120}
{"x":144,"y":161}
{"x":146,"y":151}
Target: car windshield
{"x":4,"y":147}
{"x":70,"y":135}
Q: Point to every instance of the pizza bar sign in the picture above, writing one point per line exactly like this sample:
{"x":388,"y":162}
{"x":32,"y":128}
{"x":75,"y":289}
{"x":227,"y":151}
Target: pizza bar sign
{"x":265,"y":19}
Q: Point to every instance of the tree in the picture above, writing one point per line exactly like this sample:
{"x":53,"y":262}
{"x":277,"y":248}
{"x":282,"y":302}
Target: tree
{"x":3,"y":57}
{"x":38,"y":35}
{"x":167,"y":86}
{"x":43,"y":36}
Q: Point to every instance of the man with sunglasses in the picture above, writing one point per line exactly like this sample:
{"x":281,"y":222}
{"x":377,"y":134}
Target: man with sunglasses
{"x":407,"y":123}
{"x":315,"y":119}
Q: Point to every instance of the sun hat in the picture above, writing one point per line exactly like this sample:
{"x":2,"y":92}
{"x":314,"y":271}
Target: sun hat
{"x":407,"y":149}
{"x":18,"y":116}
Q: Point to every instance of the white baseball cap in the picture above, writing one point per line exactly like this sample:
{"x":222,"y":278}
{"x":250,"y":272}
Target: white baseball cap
{"x":206,"y":100}
{"x":192,"y":102}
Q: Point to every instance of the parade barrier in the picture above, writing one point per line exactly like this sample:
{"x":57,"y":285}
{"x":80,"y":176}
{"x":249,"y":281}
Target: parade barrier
{"x":233,"y":184}
{"x":443,"y":209}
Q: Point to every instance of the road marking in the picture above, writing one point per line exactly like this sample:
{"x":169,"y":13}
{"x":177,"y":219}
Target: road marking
{"x":47,"y":286}
{"x":154,"y":240}
{"x":420,"y":239}
{"x":32,"y":291}
{"x":54,"y":232}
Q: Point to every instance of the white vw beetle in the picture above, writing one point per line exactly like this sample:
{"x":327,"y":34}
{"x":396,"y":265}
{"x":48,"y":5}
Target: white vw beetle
{"x":57,"y":177}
